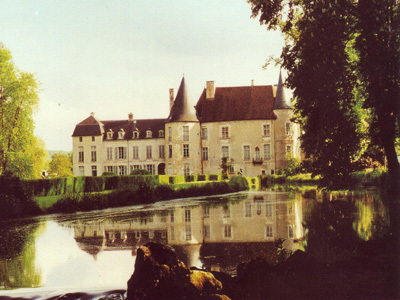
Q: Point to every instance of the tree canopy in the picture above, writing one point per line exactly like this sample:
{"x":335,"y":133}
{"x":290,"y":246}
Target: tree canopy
{"x":342,"y":58}
{"x":61,"y":165}
{"x":21,"y":153}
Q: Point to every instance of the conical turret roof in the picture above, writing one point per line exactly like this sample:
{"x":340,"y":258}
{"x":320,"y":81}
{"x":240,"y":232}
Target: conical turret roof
{"x":182,"y":110}
{"x":280,"y":101}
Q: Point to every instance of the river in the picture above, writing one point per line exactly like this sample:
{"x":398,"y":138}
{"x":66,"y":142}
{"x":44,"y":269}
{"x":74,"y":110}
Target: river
{"x":95,"y":251}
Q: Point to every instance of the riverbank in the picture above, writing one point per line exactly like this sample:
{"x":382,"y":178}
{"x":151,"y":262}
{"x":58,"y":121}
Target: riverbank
{"x":142,"y":190}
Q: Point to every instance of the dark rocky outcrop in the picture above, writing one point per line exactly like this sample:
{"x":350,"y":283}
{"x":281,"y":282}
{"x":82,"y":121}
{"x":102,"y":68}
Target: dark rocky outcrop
{"x":160,"y":275}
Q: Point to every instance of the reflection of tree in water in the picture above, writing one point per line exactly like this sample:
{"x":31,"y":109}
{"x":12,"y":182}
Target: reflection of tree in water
{"x":17,"y":255}
{"x":330,"y":235}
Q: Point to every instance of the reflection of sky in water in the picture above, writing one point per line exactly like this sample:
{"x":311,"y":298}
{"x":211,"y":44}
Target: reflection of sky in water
{"x":62,"y":263}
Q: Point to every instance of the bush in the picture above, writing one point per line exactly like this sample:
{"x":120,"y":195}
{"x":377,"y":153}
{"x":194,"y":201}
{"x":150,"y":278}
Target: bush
{"x":140,"y":172}
{"x":238,"y":183}
{"x":109,"y":174}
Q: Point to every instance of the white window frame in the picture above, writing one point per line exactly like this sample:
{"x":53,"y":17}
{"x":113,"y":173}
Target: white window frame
{"x":267,"y":154}
{"x":135,"y":135}
{"x":170,"y":151}
{"x":109,"y":153}
{"x":110,"y":134}
{"x":289,"y":149}
{"x":186,"y":169}
{"x":81,"y":154}
{"x":121,"y":134}
{"x":227,"y":231}
{"x":161,"y":133}
{"x":222,"y":151}
{"x":225,"y":132}
{"x":248,"y":213}
{"x":204,"y":133}
{"x":185,"y":133}
{"x":169,"y":134}
{"x":135,"y":152}
{"x":149,"y":134}
{"x":269,"y":231}
{"x":246,"y":154}
{"x":161,"y":151}
{"x":149,"y":152}
{"x":288,"y":128}
{"x":269,"y":209}
{"x":266,"y":130}
{"x":290,"y":231}
{"x":121,"y":153}
{"x":186,"y":150}
{"x":204,"y":153}
{"x":93,"y":154}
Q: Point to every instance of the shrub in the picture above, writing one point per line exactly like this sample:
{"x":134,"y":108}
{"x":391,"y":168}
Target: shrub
{"x":238,"y":183}
{"x":140,"y":172}
{"x":109,"y":174}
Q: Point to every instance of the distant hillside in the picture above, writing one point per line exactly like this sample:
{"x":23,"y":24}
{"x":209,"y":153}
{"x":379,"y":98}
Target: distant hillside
{"x":52,"y":152}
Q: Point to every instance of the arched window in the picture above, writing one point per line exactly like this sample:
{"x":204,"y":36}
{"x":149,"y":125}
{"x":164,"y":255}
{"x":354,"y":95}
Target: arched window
{"x":257,"y":154}
{"x":135,"y":135}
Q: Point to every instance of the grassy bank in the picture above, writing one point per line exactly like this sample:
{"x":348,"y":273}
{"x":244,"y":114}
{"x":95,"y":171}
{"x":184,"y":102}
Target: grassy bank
{"x":143,"y":194}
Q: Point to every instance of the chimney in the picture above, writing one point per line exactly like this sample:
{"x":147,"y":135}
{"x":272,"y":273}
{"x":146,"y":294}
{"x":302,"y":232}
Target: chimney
{"x":130,"y":117}
{"x":171,"y":98}
{"x":210,"y":91}
{"x":92,"y":114}
{"x":252,"y":82}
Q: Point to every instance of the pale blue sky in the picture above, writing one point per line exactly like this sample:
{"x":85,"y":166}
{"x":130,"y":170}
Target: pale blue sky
{"x":119,"y":56}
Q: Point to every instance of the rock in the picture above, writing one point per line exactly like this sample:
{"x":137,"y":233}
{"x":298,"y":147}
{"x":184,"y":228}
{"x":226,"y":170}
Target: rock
{"x":160,"y":275}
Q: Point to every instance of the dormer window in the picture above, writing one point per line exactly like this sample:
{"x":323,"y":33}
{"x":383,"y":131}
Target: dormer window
{"x":121,"y":134}
{"x":161,"y":133}
{"x":110,"y":135}
{"x":148,"y":134}
{"x":135,"y":135}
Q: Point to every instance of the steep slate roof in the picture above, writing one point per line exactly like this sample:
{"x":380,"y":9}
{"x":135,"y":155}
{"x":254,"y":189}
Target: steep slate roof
{"x":182,"y":110}
{"x":155,"y":125}
{"x":89,"y":127}
{"x":93,"y":127}
{"x":280,"y":99}
{"x":237,"y":103}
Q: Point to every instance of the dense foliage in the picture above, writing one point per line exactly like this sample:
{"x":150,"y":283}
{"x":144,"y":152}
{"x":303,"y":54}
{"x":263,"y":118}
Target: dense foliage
{"x":343,"y":60}
{"x":21,"y":153}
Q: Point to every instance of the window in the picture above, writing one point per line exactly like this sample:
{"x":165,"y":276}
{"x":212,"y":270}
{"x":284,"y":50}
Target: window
{"x":161,"y":151}
{"x":161,"y":133}
{"x":80,"y":139}
{"x":231,"y":169}
{"x":172,"y":233}
{"x":169,"y":151}
{"x":93,"y":154}
{"x":185,"y":133}
{"x":81,"y":156}
{"x":109,"y":169}
{"x":257,"y":155}
{"x":227,"y":231}
{"x":206,"y":231}
{"x":186,"y":169}
{"x":94,"y":170}
{"x":169,"y":169}
{"x":268,"y":209}
{"x":135,"y":167}
{"x":122,"y":170}
{"x":206,"y":211}
{"x":151,"y":169}
{"x":135,"y":135}
{"x":259,"y":208}
{"x":288,"y":128}
{"x":81,"y":171}
{"x":172,"y":215}
{"x":267,"y":151}
{"x":225,"y":151}
{"x":121,"y":152}
{"x":225,"y":132}
{"x":121,"y":134}
{"x":204,"y":153}
{"x":135,"y":152}
{"x":93,"y":139}
{"x":204,"y":133}
{"x":109,"y":135}
{"x":266,"y":130}
{"x":289,"y":149}
{"x":187,"y":215}
{"x":109,"y":153}
{"x":149,"y":134}
{"x":148,"y":152}
{"x":246,"y":152}
{"x":169,"y":134}
{"x":247,"y":209}
{"x":290,"y":231}
{"x":185,"y":150}
{"x":269,"y":232}
{"x":188,"y":232}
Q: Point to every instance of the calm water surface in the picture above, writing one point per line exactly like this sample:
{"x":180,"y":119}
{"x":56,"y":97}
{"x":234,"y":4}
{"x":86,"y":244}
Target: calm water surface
{"x":96,"y":250}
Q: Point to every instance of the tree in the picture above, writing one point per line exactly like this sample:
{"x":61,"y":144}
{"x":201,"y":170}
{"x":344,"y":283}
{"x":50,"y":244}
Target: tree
{"x":326,"y":71}
{"x":18,"y":101}
{"x":61,"y":165}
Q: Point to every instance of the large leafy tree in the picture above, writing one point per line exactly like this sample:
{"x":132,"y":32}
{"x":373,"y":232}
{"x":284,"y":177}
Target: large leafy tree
{"x":18,"y":101}
{"x":61,"y":165}
{"x":328,"y":72}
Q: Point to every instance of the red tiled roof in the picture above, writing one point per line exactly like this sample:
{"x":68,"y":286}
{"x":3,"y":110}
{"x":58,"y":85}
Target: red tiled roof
{"x":237,"y":103}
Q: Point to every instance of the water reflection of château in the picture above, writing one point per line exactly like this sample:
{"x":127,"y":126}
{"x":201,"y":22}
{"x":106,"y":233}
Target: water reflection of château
{"x":220,"y":232}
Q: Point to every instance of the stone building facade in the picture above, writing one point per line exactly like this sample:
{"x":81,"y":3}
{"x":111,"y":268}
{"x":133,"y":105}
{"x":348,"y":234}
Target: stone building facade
{"x":250,"y":125}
